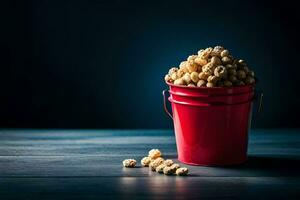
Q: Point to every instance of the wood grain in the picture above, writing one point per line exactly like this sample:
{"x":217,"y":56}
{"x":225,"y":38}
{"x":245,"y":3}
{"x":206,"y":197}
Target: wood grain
{"x":158,"y":187}
{"x":77,"y":164}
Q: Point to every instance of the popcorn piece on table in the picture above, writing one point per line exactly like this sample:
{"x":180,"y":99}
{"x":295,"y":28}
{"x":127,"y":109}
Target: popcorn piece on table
{"x":175,"y":166}
{"x":182,"y":171}
{"x":154,"y":153}
{"x":155,"y":163}
{"x":169,"y":170}
{"x":160,"y":168}
{"x":168,"y":162}
{"x":145,"y":161}
{"x":129,"y":163}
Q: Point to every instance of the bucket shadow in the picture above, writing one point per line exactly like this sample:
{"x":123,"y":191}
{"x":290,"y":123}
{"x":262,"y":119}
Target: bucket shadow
{"x":270,"y":166}
{"x":259,"y":166}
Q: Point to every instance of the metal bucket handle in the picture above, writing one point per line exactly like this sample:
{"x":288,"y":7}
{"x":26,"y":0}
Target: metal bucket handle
{"x":259,"y":96}
{"x":165,"y":103}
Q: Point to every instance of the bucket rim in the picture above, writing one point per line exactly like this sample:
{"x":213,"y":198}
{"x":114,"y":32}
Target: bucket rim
{"x":212,"y":88}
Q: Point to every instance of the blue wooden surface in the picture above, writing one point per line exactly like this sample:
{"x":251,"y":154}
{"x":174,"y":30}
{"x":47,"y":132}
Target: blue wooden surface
{"x":86,"y":164}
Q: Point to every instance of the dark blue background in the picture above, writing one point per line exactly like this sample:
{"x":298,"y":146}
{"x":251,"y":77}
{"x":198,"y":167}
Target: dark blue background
{"x":100,"y":64}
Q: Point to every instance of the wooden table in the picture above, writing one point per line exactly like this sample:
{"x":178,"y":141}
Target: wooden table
{"x":87,"y":164}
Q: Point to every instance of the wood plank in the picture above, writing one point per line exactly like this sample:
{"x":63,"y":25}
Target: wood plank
{"x":160,"y":187}
{"x":101,"y":143}
{"x":106,"y":166}
{"x":107,"y":142}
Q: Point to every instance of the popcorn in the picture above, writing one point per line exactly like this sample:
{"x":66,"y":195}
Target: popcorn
{"x":215,"y":61}
{"x":212,"y":79}
{"x":175,"y":166}
{"x":157,"y":163}
{"x":154,"y":153}
{"x":168,"y":162}
{"x":217,"y":51}
{"x":225,"y":53}
{"x":145,"y":161}
{"x":129,"y":163}
{"x":241,"y":74}
{"x":206,"y":53}
{"x":231,"y":71}
{"x":192,"y":67}
{"x":251,"y":73}
{"x":210,"y":85}
{"x":242,"y":62}
{"x":172,"y":70}
{"x":227,"y":83}
{"x":203,"y":76}
{"x":239,"y":83}
{"x":220,"y":71}
{"x":191,"y":85}
{"x":208,"y":69}
{"x":232,"y":78}
{"x":200,"y":52}
{"x":200,"y":61}
{"x":201,"y":83}
{"x":169,"y":170}
{"x":249,"y":80}
{"x":226,"y":60}
{"x":160,"y":168}
{"x":180,"y":73}
{"x":194,"y":77}
{"x":179,"y":82}
{"x":182,"y":171}
{"x":191,"y":59}
{"x":231,"y":66}
{"x":182,"y":64}
{"x":187,"y":78}
{"x":245,"y":69}
{"x":168,"y":78}
{"x":174,"y":76}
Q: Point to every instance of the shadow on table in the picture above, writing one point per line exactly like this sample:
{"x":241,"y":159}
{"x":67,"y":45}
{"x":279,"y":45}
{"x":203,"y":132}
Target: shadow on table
{"x":272,"y":165}
{"x":262,"y":166}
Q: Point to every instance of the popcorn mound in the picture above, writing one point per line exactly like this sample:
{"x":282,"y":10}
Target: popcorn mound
{"x":212,"y":67}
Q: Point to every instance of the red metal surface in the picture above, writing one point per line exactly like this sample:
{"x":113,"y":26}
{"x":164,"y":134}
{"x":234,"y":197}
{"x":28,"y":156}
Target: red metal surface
{"x":211,"y":124}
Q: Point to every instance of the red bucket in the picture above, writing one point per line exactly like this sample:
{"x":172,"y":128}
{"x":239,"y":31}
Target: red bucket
{"x":211,"y":124}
